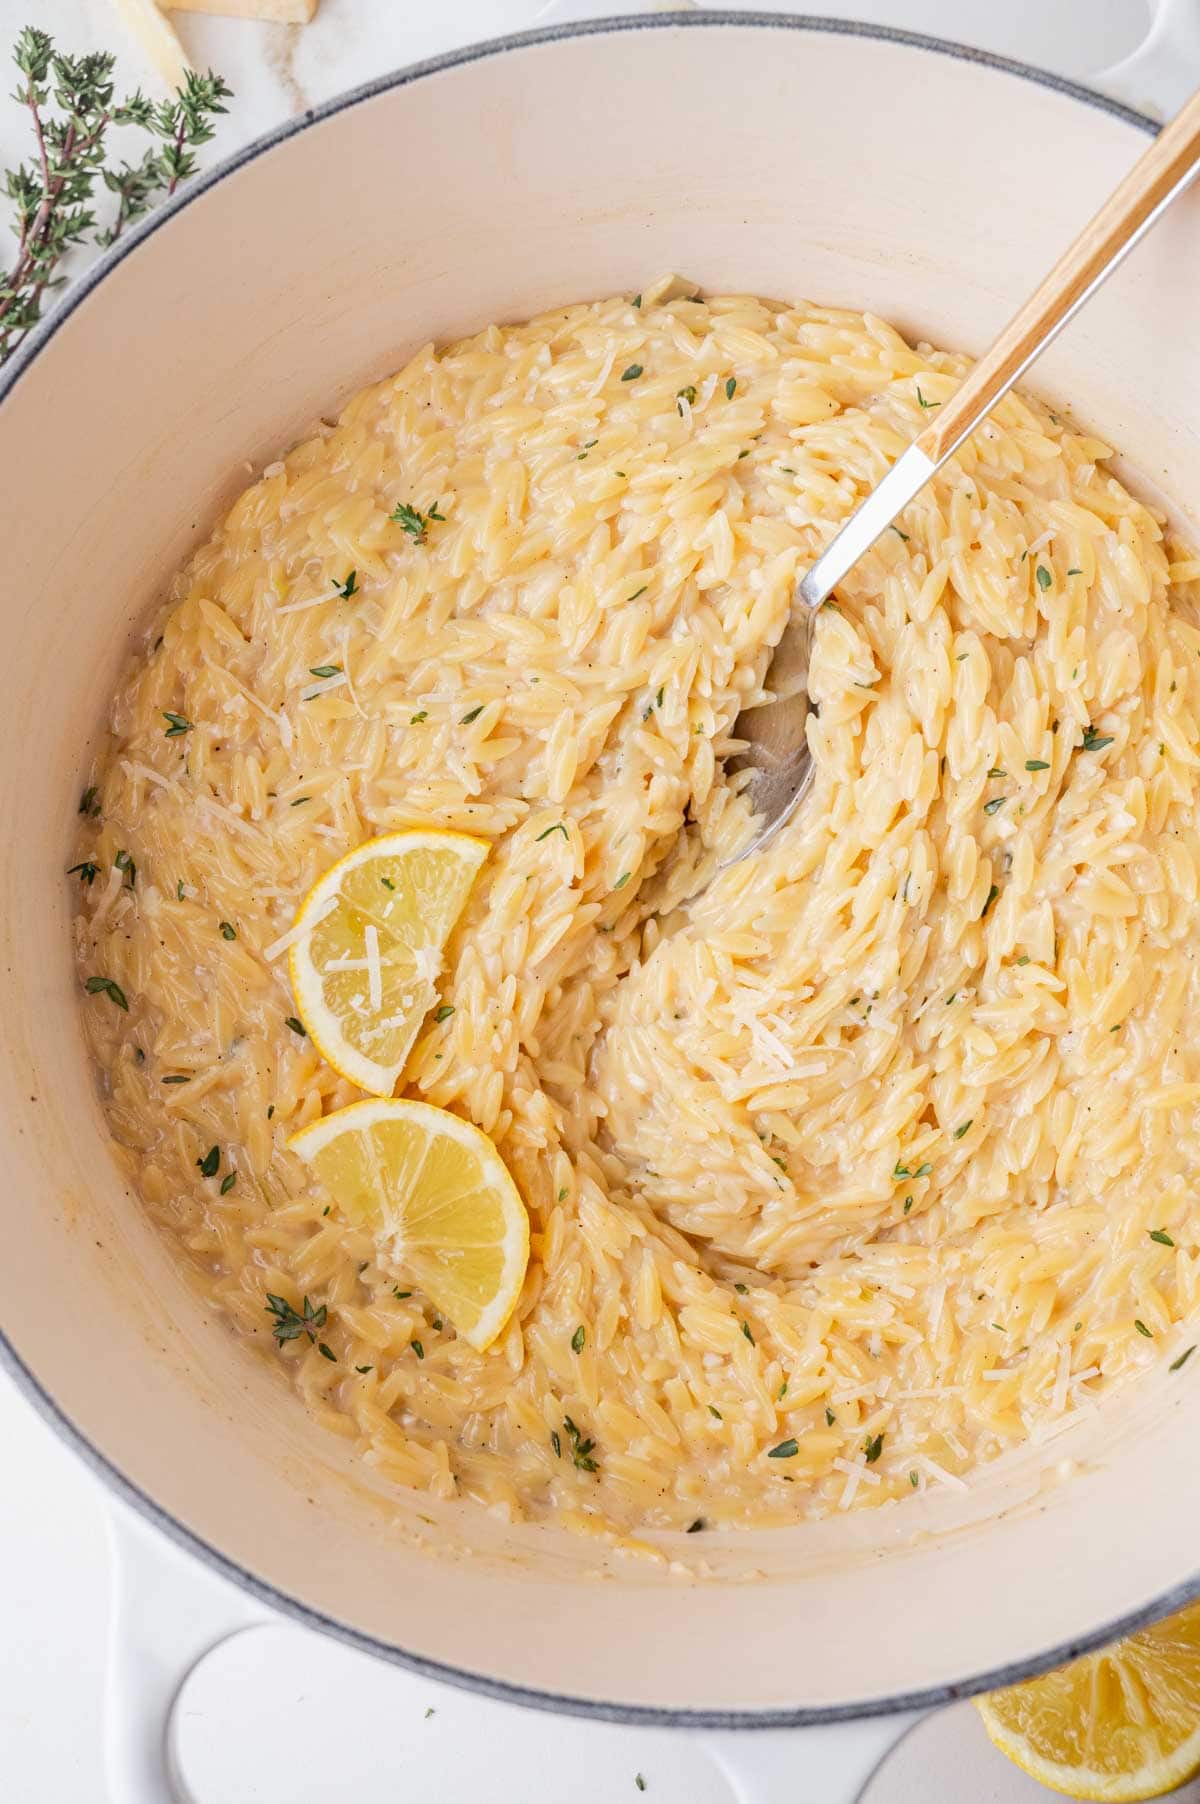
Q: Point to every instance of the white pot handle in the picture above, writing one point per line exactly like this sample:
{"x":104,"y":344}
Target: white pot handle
{"x":827,"y":1765}
{"x":166,"y":1613}
{"x":1165,"y":67}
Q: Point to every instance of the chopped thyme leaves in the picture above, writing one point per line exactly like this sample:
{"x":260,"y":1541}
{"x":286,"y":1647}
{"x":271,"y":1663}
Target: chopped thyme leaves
{"x":472,"y":714}
{"x":87,"y":871}
{"x":830,"y":1418}
{"x":556,"y":828}
{"x":962,"y":1129}
{"x":1142,"y":1329}
{"x":89,"y":801}
{"x":747,"y":1333}
{"x":444,"y":1012}
{"x":556,"y":1443}
{"x":210,"y":1162}
{"x":622,"y":880}
{"x":995,"y":803}
{"x":991,"y":897}
{"x":731,"y":388}
{"x":296,"y":1026}
{"x":714,"y":1411}
{"x":996,"y":772}
{"x":1036,"y":764}
{"x":228,"y":1182}
{"x":785,"y":1450}
{"x":924,"y":403}
{"x":632,"y":373}
{"x":326,"y":1351}
{"x":638,"y":592}
{"x":1093,"y":741}
{"x":349,"y":587}
{"x":177,"y":725}
{"x":177,"y":1079}
{"x":414,"y":522}
{"x":1044,"y":578}
{"x":1177,"y":1364}
{"x":578,"y":1339}
{"x":1162,"y":1237}
{"x":873,"y":1447}
{"x":324,"y":670}
{"x":420,"y":715}
{"x":417,"y":1348}
{"x":228,"y":930}
{"x":97,"y":986}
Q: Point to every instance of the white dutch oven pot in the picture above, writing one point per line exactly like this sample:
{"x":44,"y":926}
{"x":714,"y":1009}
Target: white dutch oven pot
{"x":786,"y":157}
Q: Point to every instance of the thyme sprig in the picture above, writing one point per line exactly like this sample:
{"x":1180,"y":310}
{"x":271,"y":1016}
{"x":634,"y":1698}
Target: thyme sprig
{"x":72,"y":104}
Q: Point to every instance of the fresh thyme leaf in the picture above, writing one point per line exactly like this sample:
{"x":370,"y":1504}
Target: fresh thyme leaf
{"x":364,"y":1369}
{"x":177,"y":1079}
{"x":417,"y":1348}
{"x":400,"y":1295}
{"x":873,"y":1447}
{"x":1024,"y":959}
{"x":1142,"y":1329}
{"x":785,"y":1450}
{"x":416,"y":523}
{"x":908,"y":1203}
{"x":996,"y":772}
{"x":714,"y":1411}
{"x":922,"y":1171}
{"x":97,"y":986}
{"x":562,"y":1194}
{"x":324,"y":670}
{"x":995,"y":803}
{"x":991,"y":897}
{"x":556,"y":1443}
{"x":326,"y":1351}
{"x":1176,"y":1364}
{"x":747,"y":1333}
{"x":687,"y":394}
{"x":913,"y":1480}
{"x":1036,"y":764}
{"x":444,"y":1013}
{"x":422,"y":714}
{"x":290,"y":1323}
{"x":924,"y":403}
{"x":179,"y":890}
{"x":1093,"y":741}
{"x":632,"y":373}
{"x":347,"y":588}
{"x":1075,"y":570}
{"x":638,"y":592}
{"x":177,"y":725}
{"x":637,"y":300}
{"x":228,"y":930}
{"x":87,"y":871}
{"x":296,"y":1026}
{"x":387,"y":883}
{"x":1162,"y":1237}
{"x":578,"y":1339}
{"x":622,"y":880}
{"x":731,"y":388}
{"x":830,"y":1418}
{"x":581,"y":1449}
{"x":961,"y":1130}
{"x":228,"y":1182}
{"x":123,"y":862}
{"x":472,"y":714}
{"x":1044,"y":578}
{"x":693,"y":1528}
{"x":89,"y":802}
{"x":556,"y":828}
{"x":210,"y":1162}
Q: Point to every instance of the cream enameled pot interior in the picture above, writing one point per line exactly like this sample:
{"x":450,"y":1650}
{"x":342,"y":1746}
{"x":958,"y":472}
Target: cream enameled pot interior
{"x":762,"y":157}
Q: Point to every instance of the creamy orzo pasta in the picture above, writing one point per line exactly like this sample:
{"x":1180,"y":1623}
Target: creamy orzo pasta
{"x":872,"y":1161}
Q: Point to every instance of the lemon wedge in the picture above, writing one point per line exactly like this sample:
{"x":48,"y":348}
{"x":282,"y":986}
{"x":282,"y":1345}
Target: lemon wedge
{"x":367,"y":948}
{"x":439,"y":1198}
{"x":1121,"y":1724}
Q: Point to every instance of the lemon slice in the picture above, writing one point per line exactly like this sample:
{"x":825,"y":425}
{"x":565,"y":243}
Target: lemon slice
{"x":1118,"y":1725}
{"x":367,"y":948}
{"x":437,"y":1194}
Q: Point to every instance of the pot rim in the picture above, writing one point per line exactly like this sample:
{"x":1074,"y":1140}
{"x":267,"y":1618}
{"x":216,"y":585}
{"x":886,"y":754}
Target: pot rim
{"x":47,"y":1406}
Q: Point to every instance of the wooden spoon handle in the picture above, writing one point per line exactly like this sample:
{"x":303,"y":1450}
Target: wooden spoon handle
{"x":1153,"y":182}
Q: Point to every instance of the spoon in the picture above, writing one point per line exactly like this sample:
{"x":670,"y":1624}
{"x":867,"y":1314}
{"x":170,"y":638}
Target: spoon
{"x":776,"y":753}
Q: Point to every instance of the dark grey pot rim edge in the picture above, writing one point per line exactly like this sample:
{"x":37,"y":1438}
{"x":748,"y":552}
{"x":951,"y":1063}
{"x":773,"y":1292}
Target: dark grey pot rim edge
{"x":799,"y":1716}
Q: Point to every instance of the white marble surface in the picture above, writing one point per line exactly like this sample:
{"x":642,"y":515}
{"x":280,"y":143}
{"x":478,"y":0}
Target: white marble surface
{"x":53,"y":1550}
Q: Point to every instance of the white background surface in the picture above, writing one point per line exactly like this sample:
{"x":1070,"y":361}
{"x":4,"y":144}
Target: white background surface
{"x":248,"y":1728}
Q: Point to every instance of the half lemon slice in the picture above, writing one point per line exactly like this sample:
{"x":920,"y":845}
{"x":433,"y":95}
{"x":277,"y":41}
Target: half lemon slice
{"x":368,"y":947}
{"x":1119,"y":1725}
{"x":438,"y":1196}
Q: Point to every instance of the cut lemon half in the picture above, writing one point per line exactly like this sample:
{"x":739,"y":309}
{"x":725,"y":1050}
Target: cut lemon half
{"x":437,"y":1195}
{"x":1122,"y":1724}
{"x":367,"y":948}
